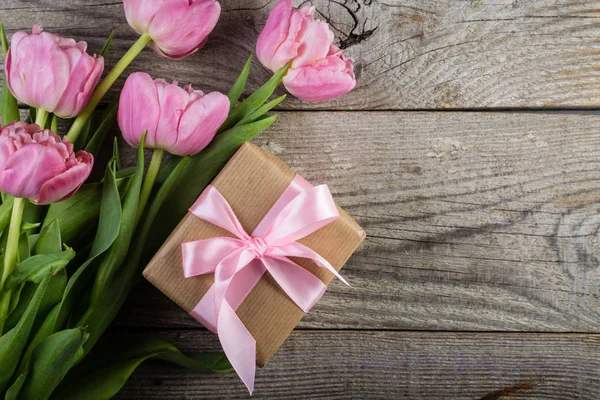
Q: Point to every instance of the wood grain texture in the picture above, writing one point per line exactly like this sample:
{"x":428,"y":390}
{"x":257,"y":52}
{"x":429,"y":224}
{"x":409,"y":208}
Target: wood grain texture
{"x":386,"y":365}
{"x":474,"y":221}
{"x":409,"y":54}
{"x":477,"y":221}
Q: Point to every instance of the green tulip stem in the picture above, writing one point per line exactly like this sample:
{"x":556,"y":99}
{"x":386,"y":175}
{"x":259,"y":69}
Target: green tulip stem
{"x":41,"y":116}
{"x":157,"y":156}
{"x":105,"y":85}
{"x":10,"y":256}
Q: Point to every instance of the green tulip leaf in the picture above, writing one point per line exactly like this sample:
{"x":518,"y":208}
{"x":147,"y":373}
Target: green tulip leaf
{"x":45,"y":330}
{"x":9,"y":108}
{"x":107,"y":44}
{"x":24,"y":247}
{"x":114,"y":257}
{"x":33,"y":213}
{"x":110,"y":213}
{"x":262,"y":110}
{"x":116,"y":154}
{"x":108,"y":120}
{"x":4,"y":41}
{"x":5,"y":211}
{"x":238,"y":87}
{"x":79,"y":214}
{"x":50,"y":361}
{"x":49,"y":245}
{"x":49,"y":240}
{"x":166,"y":169}
{"x":31,"y":118}
{"x":27,"y":226}
{"x":108,"y":231}
{"x":101,"y":314}
{"x":13,"y":392}
{"x":44,"y":324}
{"x":106,"y":370}
{"x":36,"y":268}
{"x":82,"y":139}
{"x":13,"y":342}
{"x":124,"y":177}
{"x":24,"y":299}
{"x":254,"y":101}
{"x":15,"y":298}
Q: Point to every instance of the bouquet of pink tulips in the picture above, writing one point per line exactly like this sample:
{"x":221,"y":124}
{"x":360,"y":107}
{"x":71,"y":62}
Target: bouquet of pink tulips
{"x":72,"y":251}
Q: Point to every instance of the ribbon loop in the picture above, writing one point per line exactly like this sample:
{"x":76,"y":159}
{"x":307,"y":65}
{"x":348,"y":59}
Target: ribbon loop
{"x":238,"y":264}
{"x":212,"y":207}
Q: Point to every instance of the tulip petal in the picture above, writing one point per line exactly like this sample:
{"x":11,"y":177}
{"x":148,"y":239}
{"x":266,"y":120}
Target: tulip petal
{"x":27,"y":169}
{"x":172,"y":101}
{"x":39,"y":71}
{"x":7,"y":147}
{"x":139,"y":13}
{"x":139,"y":110}
{"x":180,"y":27}
{"x":66,"y":184}
{"x":37,"y":164}
{"x":51,"y":72}
{"x":274,"y":33}
{"x":324,"y":80}
{"x":200,"y":123}
{"x":83,"y":79}
{"x":288,"y":49}
{"x":315,"y":41}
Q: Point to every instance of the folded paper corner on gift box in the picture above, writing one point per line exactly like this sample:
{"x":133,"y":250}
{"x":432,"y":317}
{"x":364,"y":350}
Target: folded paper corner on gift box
{"x":252,"y":182}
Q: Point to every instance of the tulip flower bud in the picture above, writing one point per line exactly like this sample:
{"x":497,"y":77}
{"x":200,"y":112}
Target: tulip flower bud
{"x":318,"y":70}
{"x":180,"y":121}
{"x":178,"y":28}
{"x":38,"y":165}
{"x":51,"y":72}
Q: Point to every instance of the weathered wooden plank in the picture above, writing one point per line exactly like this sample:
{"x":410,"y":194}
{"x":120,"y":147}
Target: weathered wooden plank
{"x":385,"y":365}
{"x":475,"y":221}
{"x":410,"y":54}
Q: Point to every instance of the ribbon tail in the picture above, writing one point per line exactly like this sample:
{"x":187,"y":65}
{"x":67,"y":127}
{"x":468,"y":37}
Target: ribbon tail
{"x":302,"y":286}
{"x":205,"y":311}
{"x":238,"y":344}
{"x":243,"y":282}
{"x":296,"y":249}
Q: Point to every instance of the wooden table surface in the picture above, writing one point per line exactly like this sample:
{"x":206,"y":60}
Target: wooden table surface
{"x":469,"y":152}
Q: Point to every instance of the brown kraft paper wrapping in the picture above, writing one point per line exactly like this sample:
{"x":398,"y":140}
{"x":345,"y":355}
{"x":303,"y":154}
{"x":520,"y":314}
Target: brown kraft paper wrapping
{"x":252,"y":182}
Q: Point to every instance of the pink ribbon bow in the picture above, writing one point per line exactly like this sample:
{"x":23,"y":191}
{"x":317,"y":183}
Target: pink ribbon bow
{"x":238,"y":264}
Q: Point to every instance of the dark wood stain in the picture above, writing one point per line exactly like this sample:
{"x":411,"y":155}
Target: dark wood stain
{"x":509,"y":391}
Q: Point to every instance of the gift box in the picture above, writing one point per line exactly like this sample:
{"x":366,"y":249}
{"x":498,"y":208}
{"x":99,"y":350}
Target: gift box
{"x":255,"y":184}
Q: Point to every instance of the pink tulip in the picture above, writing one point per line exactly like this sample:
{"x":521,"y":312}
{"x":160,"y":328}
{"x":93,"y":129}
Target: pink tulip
{"x":319,"y":71}
{"x":178,"y":28}
{"x":51,"y":72}
{"x":38,"y":165}
{"x":325,"y":79}
{"x":180,"y":121}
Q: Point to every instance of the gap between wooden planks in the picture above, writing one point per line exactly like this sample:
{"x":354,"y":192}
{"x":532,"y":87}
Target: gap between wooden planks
{"x":475,"y":221}
{"x":384,"y":365}
{"x":409,"y":54}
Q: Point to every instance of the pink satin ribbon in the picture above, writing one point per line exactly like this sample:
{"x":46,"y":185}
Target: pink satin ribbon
{"x":238,"y":264}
